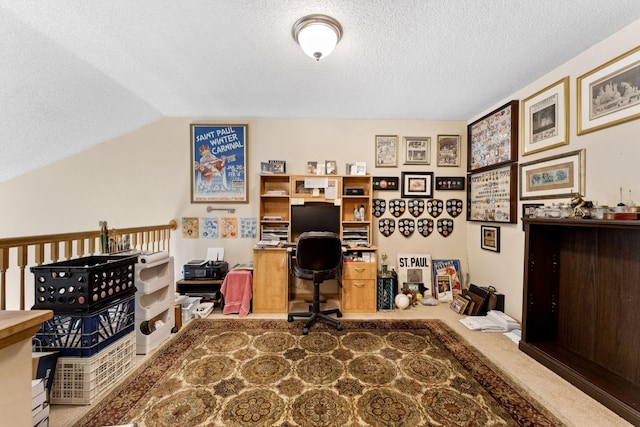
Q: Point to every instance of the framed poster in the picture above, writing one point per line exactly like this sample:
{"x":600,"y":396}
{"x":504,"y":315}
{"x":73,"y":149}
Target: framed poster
{"x":417,"y":184}
{"x":491,"y":195}
{"x":448,"y":150}
{"x":545,"y":118}
{"x":610,"y":94}
{"x":417,"y":150}
{"x":553,"y":177}
{"x":218,"y":163}
{"x":386,"y":150}
{"x":490,"y":238}
{"x":493,"y":139}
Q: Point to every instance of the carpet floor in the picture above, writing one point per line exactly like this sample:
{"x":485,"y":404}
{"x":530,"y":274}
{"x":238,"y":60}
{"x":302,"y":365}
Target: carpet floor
{"x":266,"y":373}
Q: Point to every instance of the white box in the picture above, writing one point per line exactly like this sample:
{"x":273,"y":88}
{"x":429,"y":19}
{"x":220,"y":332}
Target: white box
{"x":189,"y":307}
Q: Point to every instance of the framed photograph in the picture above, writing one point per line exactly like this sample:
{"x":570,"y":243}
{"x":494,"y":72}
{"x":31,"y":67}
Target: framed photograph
{"x":446,"y":183}
{"x":490,"y":238}
{"x":459,"y":304}
{"x":448,"y":150}
{"x":493,"y":139}
{"x":417,"y":184}
{"x":492,"y":194}
{"x":553,"y":177}
{"x":545,"y":118}
{"x":610,"y":94}
{"x":417,"y":150}
{"x":386,"y":150}
{"x":219,"y":163}
{"x":312,"y":168}
{"x":331,"y":167}
{"x":385,"y":183}
{"x":529,"y":209}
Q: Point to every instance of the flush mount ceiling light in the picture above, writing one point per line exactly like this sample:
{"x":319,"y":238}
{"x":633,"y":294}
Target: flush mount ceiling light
{"x":317,"y":35}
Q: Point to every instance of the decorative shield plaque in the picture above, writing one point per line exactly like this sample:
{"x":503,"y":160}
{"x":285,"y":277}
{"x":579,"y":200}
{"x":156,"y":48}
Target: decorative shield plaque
{"x":454,"y":207}
{"x":416,"y":207}
{"x":445,"y":227}
{"x":397,"y":207}
{"x":379,"y":206}
{"x":387,"y":226}
{"x":435,"y":207}
{"x":425,"y":226}
{"x":406,"y":226}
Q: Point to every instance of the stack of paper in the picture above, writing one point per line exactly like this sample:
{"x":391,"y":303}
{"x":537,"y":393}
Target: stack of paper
{"x":494,"y":321}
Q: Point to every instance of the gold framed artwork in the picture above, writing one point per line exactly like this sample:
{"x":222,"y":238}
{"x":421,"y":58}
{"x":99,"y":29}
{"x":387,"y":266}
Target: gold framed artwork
{"x":553,"y":177}
{"x":545,"y":118}
{"x":609,"y":94}
{"x":386,"y":151}
{"x":448,"y":150}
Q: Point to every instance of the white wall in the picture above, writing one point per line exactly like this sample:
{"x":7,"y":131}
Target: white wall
{"x":611,"y":162}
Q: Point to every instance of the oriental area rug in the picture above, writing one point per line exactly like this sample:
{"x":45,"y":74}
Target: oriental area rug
{"x":246,"y":372}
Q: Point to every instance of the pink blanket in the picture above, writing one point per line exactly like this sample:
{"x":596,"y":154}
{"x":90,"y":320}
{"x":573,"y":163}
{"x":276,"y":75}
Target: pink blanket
{"x":237,"y":291}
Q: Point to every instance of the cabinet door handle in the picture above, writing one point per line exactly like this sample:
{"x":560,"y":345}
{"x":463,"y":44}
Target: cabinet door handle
{"x":359,"y":285}
{"x":359,"y":269}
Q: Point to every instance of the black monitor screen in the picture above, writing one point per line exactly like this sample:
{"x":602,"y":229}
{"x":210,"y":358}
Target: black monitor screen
{"x":315,"y":217}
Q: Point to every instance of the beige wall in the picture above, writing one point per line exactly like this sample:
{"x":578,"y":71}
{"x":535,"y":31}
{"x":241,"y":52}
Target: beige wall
{"x":143,"y":178}
{"x":611,"y":162}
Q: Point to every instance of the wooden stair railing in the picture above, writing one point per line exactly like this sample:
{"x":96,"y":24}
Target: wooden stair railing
{"x":24,"y":252}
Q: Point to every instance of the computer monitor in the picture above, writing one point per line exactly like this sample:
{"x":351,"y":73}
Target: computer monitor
{"x":315,"y":217}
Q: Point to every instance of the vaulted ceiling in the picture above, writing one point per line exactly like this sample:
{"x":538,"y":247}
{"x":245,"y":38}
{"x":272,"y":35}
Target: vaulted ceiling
{"x":75,"y":74}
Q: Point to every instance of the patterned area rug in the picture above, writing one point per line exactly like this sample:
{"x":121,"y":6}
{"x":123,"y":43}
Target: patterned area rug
{"x":266,"y":373}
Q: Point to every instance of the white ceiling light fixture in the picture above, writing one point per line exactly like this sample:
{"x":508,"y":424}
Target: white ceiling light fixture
{"x":317,"y":35}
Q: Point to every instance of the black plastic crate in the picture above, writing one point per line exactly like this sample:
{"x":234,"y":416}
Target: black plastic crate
{"x":83,"y":284}
{"x":84,"y":334}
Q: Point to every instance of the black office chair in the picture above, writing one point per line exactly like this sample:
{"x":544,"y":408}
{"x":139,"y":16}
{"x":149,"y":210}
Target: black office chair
{"x":318,"y":258}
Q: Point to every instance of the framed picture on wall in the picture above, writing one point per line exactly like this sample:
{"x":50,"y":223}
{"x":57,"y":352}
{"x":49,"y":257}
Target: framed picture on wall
{"x":545,"y":118}
{"x":218,"y":163}
{"x":553,"y":177}
{"x":448,"y":150}
{"x":490,"y":238}
{"x":493,"y":139}
{"x":417,"y":184}
{"x":417,"y":150}
{"x":386,"y":151}
{"x":492,"y":195}
{"x":608,"y":95}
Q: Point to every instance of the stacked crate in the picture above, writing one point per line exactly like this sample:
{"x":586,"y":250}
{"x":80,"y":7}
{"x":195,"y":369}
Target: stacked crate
{"x":93,"y":300}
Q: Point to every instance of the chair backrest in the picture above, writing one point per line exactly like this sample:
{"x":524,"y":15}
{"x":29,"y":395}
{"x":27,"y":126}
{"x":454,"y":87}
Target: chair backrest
{"x":318,"y":251}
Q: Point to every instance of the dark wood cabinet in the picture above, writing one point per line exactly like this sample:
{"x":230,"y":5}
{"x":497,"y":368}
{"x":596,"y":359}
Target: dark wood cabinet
{"x":581,"y":306}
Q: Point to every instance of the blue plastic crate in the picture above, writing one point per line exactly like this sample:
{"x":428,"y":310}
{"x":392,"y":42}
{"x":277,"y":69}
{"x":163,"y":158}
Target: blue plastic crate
{"x":82,"y":284}
{"x":84,"y":334}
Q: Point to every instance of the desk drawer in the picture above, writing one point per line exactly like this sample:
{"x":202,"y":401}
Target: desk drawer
{"x":358,"y":296}
{"x":359,"y":270}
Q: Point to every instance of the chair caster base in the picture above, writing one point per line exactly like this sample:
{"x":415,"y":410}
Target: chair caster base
{"x":289,"y":319}
{"x":338,"y":314}
{"x":305,"y":331}
{"x":339,"y":327}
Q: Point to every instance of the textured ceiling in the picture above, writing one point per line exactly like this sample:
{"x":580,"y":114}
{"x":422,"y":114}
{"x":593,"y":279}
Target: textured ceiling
{"x":78,"y":73}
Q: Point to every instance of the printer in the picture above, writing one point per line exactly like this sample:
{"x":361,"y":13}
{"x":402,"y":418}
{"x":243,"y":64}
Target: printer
{"x":199,"y":269}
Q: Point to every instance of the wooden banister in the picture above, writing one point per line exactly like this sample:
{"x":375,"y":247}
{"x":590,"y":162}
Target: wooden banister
{"x":17,"y":254}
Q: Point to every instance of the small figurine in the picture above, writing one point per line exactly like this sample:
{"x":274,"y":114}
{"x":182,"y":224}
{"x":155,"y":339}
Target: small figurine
{"x":577,"y":203}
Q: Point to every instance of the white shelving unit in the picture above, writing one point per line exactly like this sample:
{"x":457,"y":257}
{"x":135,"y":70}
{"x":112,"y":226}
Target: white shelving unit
{"x":154,"y":300}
